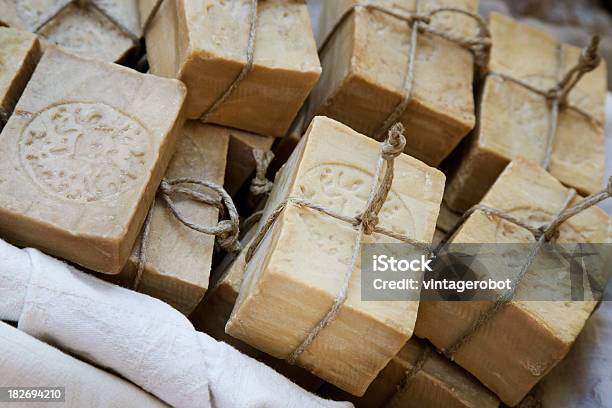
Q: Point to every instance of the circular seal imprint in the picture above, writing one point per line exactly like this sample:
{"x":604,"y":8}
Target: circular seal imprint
{"x":84,"y":152}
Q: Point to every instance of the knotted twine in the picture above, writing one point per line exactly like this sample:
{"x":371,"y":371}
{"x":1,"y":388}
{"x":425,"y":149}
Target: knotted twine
{"x":420,"y":23}
{"x":250,"y":57}
{"x":260,"y":185}
{"x":226,"y":231}
{"x":366,"y":224}
{"x":557,"y":96}
{"x":543,"y":235}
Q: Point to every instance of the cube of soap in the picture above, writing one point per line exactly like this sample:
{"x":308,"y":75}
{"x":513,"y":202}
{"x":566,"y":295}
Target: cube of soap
{"x":514,"y":120}
{"x":297,"y":270}
{"x":439,"y":383}
{"x":178,"y":259}
{"x":29,"y":362}
{"x":214,"y":311}
{"x":364,"y":68}
{"x":204,"y":44}
{"x":519,"y":345}
{"x":19,"y":54}
{"x":83,"y":31}
{"x":83,"y":155}
{"x":240,"y":161}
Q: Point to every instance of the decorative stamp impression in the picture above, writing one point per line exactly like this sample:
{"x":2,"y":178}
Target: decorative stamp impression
{"x":345,"y":189}
{"x":84,"y":152}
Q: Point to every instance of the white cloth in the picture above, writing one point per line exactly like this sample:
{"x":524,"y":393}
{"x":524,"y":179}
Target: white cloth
{"x":27,"y":362}
{"x":139,"y":337}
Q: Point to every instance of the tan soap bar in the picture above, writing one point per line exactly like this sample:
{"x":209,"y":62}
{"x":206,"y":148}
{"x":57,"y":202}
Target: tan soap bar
{"x":240,"y":161}
{"x":83,"y":155}
{"x":514,"y":121}
{"x":204,"y":44}
{"x":214,"y":311}
{"x":297,"y":270}
{"x":438,"y":384}
{"x":83,"y":31}
{"x":28,"y":362}
{"x":526,"y":339}
{"x":178,"y":259}
{"x":19,"y":54}
{"x":365,"y":63}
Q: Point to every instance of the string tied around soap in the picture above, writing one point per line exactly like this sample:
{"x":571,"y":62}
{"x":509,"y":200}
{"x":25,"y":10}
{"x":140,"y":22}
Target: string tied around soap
{"x":205,"y":117}
{"x":225,"y":231}
{"x":420,"y":22}
{"x":557,"y":96}
{"x":366,"y":224}
{"x":260,"y":185}
{"x":544,"y":234}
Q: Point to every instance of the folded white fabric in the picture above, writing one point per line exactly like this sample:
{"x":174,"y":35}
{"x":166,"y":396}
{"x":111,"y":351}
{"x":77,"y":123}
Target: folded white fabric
{"x":28,"y":362}
{"x":141,"y":338}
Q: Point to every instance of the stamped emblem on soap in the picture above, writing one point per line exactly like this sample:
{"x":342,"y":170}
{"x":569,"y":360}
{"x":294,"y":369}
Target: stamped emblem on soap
{"x":84,"y":152}
{"x":345,"y":189}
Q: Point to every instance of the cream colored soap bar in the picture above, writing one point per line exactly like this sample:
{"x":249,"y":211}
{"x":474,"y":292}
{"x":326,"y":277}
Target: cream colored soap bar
{"x":297,"y":270}
{"x":514,"y":121}
{"x":438,"y":384}
{"x":79,"y":30}
{"x":28,"y":362}
{"x":212,"y":314}
{"x":364,"y":70}
{"x":526,"y":339}
{"x":83,"y":155}
{"x":19,"y":54}
{"x":178,"y":259}
{"x":240,"y":161}
{"x":204,"y":44}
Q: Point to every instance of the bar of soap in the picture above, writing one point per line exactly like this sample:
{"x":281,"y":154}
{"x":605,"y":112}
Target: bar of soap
{"x":297,"y":270}
{"x":240,"y":161}
{"x":365,"y":65}
{"x":83,"y":154}
{"x":81,"y":31}
{"x":19,"y":54}
{"x":178,"y":259}
{"x":28,"y":362}
{"x":514,"y":120}
{"x":526,"y":339}
{"x":214,"y":311}
{"x":439,"y":383}
{"x":204,"y":43}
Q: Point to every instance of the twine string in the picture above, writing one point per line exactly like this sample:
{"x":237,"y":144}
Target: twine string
{"x":260,"y":185}
{"x":366,"y":224}
{"x":543,"y":235}
{"x":558,"y":95}
{"x":250,"y":59}
{"x":409,"y":374}
{"x":226,"y":231}
{"x":420,"y":23}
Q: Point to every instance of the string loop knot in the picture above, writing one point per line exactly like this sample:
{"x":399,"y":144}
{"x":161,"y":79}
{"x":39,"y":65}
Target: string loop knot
{"x":260,"y":185}
{"x":395,"y":143}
